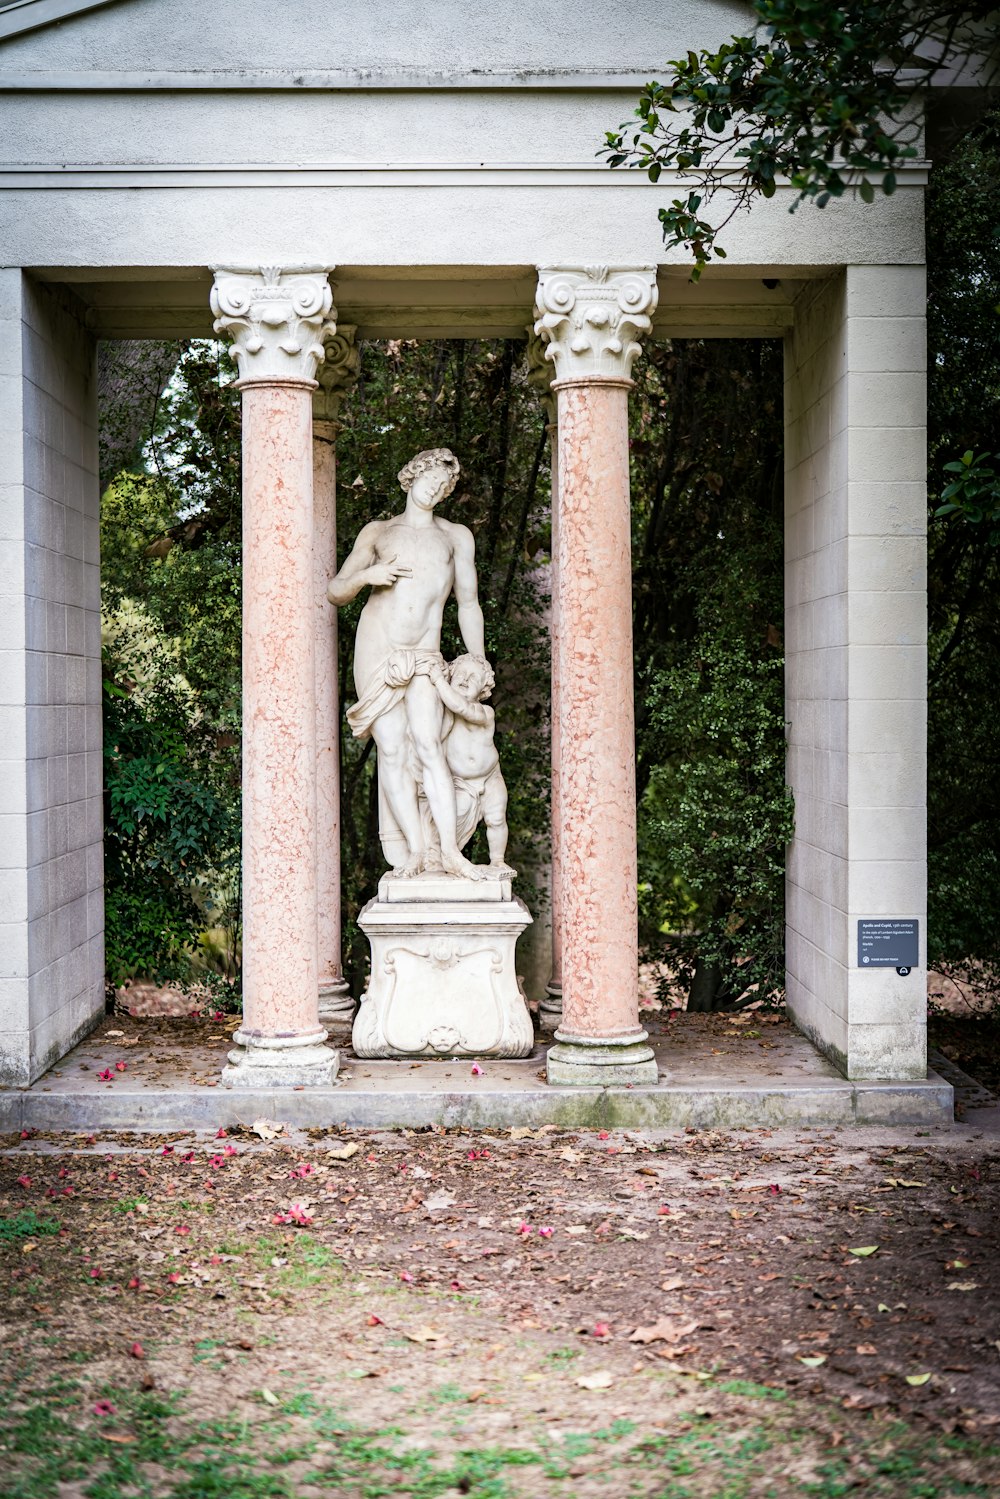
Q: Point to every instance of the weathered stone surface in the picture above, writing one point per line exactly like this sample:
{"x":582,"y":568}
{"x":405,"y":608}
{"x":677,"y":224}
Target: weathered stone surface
{"x":300,"y":1061}
{"x":443,"y":978}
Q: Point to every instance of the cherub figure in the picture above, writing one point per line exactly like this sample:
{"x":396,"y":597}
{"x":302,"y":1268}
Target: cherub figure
{"x":472,"y":758}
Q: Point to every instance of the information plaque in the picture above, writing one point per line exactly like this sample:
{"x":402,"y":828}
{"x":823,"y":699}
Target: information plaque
{"x":884,"y":943}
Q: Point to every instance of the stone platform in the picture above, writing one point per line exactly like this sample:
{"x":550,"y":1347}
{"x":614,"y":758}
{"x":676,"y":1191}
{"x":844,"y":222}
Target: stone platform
{"x":712,"y":1076}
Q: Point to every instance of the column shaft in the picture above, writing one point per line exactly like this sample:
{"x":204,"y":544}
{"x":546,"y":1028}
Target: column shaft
{"x":335,"y":1003}
{"x":279,"y":757}
{"x":596,"y":720}
{"x":550,"y":1008}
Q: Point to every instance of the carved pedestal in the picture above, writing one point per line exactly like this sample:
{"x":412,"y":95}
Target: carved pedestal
{"x":443,"y":981}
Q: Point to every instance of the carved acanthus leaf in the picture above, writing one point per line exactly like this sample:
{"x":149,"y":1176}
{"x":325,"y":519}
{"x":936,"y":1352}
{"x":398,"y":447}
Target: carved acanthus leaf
{"x":337,"y":374}
{"x":591,"y":318}
{"x":277,"y":320}
{"x":540,"y":373}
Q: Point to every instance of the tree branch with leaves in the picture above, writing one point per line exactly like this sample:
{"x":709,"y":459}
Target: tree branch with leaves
{"x":821,"y":97}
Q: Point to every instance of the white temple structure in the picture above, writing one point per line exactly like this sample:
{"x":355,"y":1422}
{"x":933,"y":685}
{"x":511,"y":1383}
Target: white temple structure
{"x":301,"y":176}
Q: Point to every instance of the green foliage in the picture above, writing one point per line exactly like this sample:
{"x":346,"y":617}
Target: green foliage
{"x":818,"y":94}
{"x":171,"y":605}
{"x":963,"y":246}
{"x":170,"y":834}
{"x":717,"y":810}
{"x":714,"y":811}
{"x":974,"y":492}
{"x":26,"y":1225}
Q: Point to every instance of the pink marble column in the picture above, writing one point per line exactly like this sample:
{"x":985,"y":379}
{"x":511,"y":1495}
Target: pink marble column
{"x":276,"y":321}
{"x":540,"y":375}
{"x":336,"y":375}
{"x":591,"y":320}
{"x":550,"y":1009}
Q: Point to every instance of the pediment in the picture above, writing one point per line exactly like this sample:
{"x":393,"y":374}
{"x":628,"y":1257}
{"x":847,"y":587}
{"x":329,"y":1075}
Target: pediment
{"x":354,"y":43}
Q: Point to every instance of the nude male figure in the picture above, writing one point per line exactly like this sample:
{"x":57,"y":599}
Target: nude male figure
{"x":412,"y":563}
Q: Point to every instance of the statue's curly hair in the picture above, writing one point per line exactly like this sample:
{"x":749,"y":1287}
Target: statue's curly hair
{"x":429,"y":458}
{"x":486,"y":672}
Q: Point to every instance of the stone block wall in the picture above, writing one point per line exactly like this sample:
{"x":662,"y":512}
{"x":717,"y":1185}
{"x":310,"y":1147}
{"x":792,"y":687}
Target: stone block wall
{"x":855,"y":620}
{"x":51,"y":773}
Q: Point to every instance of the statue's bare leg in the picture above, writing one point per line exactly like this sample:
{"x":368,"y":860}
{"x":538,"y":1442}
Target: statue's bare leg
{"x":426,"y":717}
{"x":495,"y":817}
{"x":390,"y":735}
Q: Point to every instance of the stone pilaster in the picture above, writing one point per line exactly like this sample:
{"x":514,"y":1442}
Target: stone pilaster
{"x":856,"y":661}
{"x":336,"y":375}
{"x":277,"y":321}
{"x":591,"y":320}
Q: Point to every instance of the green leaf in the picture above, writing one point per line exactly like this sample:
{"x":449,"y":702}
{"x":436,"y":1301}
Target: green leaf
{"x":863,"y":1251}
{"x":865,"y":191}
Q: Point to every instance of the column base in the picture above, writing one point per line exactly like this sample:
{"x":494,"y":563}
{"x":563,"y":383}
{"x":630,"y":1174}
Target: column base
{"x":583,"y":1061}
{"x":550,"y":1009}
{"x":336,"y":1005}
{"x":300,"y":1061}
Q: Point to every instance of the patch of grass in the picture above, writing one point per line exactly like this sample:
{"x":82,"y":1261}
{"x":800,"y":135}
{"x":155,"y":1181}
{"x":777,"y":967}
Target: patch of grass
{"x":205,"y":1352}
{"x":751,"y":1391}
{"x":236,"y":1247}
{"x":446,"y":1394}
{"x":129,"y":1204}
{"x":150,"y":1445}
{"x":302,"y":1404}
{"x":26,"y":1225}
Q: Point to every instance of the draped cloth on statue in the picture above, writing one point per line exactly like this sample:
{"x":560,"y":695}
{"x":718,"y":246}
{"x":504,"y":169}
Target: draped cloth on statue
{"x":470,"y":796}
{"x":387,"y":687}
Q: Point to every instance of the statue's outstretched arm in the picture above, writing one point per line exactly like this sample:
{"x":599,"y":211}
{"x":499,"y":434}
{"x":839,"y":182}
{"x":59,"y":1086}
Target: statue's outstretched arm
{"x":473,"y":712}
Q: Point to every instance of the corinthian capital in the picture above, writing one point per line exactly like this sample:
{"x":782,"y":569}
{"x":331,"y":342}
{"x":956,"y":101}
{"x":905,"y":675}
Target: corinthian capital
{"x":337,"y":374}
{"x":277,"y":321}
{"x":540,"y":373}
{"x":592,"y":317}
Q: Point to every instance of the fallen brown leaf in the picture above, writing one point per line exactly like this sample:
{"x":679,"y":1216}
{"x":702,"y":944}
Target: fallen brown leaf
{"x":664,"y":1330}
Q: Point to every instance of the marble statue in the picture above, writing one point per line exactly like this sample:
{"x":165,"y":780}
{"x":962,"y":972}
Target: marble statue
{"x":442,"y":930}
{"x":433,"y":736}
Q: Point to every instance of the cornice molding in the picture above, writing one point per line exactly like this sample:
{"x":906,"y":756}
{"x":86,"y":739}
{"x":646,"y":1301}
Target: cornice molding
{"x":170,"y":175}
{"x":302,"y":81}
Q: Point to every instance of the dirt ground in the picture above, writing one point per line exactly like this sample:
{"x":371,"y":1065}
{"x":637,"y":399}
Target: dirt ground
{"x":534,"y":1313}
